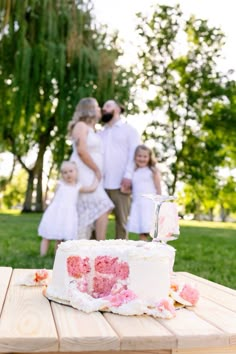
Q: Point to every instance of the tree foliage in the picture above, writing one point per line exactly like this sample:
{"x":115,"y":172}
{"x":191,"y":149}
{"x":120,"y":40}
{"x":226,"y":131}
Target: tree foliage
{"x":194,"y":102}
{"x":51,"y":55}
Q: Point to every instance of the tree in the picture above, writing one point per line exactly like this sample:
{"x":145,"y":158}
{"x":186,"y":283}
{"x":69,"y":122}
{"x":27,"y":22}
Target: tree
{"x":201,"y":199}
{"x":15,"y":190}
{"x":227,"y":201}
{"x":214,"y":198}
{"x":51,"y":55}
{"x":179,"y":59}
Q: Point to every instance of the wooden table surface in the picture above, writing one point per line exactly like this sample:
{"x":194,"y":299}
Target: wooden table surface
{"x":30,"y":323}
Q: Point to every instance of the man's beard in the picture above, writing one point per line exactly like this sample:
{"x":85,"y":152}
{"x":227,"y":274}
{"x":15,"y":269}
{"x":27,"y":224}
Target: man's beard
{"x":107,"y":117}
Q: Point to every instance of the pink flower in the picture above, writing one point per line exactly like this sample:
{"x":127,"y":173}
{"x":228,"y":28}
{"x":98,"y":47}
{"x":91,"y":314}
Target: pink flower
{"x":166,"y":305}
{"x":189,"y":294}
{"x":77,"y":266}
{"x":40,"y":275}
{"x":122,"y":297}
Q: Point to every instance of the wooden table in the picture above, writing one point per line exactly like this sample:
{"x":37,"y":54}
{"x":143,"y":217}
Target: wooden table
{"x":30,"y":323}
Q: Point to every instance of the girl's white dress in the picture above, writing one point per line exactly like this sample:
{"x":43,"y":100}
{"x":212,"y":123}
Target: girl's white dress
{"x":142,"y":209}
{"x":90,"y":206}
{"x":59,"y":221}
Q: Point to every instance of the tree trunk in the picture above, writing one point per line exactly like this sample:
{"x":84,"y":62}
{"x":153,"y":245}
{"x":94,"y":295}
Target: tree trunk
{"x":47,"y":187}
{"x":224,"y":213}
{"x":27,"y":207}
{"x":39,"y":186}
{"x":36,"y":173}
{"x":211,"y":214}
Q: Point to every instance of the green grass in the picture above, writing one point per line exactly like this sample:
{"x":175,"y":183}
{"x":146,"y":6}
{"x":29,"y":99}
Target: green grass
{"x":206,"y":249}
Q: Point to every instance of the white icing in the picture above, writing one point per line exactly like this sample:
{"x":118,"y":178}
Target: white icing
{"x":150,"y":267}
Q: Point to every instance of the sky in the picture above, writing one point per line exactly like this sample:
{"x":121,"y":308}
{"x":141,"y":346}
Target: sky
{"x":120,"y":15}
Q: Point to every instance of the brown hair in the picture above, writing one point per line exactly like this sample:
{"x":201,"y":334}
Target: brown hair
{"x":85,"y":111}
{"x":152,"y":161}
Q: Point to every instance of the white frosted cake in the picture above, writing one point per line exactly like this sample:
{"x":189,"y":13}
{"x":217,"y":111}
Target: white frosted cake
{"x":121,"y":276}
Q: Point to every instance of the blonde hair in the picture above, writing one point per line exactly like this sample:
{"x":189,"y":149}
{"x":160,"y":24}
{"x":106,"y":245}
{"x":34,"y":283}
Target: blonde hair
{"x":68,"y":163}
{"x":85,"y":111}
{"x":152,"y":160}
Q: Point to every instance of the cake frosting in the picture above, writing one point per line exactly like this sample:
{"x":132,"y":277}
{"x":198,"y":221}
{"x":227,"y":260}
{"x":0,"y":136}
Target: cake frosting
{"x":121,"y":276}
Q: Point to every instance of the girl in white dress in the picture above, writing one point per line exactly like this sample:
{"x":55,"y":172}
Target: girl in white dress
{"x":145,"y":180}
{"x":60,"y":220}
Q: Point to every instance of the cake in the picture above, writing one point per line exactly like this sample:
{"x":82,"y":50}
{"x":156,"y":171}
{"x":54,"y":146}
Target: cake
{"x":168,"y":221}
{"x":121,"y":276}
{"x":165,"y":226}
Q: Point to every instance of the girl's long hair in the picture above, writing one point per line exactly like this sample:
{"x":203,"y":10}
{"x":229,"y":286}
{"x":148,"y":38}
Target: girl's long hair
{"x":152,"y":160}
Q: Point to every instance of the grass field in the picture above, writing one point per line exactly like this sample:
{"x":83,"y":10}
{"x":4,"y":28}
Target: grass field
{"x":207,"y":249}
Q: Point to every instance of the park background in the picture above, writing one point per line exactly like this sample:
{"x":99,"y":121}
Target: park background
{"x":168,"y":65}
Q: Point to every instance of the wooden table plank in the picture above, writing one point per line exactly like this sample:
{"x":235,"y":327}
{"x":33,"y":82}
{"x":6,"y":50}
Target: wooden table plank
{"x":215,"y":292}
{"x":219,"y":316}
{"x":158,"y":351}
{"x":193,"y":332}
{"x":221,"y":350}
{"x":79,"y":331}
{"x":27,"y":323}
{"x":141,"y":332}
{"x":207,"y":282}
{"x":5,"y":276}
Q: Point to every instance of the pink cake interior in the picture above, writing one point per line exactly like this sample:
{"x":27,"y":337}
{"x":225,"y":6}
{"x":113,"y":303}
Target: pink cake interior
{"x":107,"y":274}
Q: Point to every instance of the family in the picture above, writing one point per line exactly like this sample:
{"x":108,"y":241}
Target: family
{"x":108,"y":171}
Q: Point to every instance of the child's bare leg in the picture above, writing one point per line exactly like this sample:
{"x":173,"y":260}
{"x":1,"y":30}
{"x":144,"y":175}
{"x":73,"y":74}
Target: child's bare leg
{"x":57,"y":243}
{"x":101,"y":227}
{"x":143,"y":237}
{"x":44,"y":247}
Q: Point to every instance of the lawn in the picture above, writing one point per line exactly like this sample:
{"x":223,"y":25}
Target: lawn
{"x":207,"y":249}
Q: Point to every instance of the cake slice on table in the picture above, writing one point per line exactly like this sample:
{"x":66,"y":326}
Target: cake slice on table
{"x":121,"y":276}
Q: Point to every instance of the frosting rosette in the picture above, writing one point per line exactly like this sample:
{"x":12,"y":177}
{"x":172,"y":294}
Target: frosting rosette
{"x":35,"y":278}
{"x":184,"y":293}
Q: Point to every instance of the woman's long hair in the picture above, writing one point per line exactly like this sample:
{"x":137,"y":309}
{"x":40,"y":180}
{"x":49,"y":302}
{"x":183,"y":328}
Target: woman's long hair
{"x":85,"y":111}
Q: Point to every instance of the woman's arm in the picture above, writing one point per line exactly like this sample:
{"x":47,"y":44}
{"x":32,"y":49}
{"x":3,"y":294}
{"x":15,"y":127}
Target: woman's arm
{"x":79,"y":135}
{"x":91,"y":188}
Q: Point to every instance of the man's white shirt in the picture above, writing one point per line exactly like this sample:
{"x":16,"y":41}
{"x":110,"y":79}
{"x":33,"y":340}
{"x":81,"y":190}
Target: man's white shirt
{"x":119,"y":143}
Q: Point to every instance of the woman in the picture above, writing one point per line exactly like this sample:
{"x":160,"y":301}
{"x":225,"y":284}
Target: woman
{"x":87,"y":153}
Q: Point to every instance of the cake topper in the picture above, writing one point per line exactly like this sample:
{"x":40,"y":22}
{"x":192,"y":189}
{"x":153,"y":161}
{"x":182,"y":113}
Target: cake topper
{"x":165,"y":225}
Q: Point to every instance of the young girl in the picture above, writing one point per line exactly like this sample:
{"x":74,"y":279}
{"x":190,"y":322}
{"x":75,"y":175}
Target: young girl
{"x":146,"y":179}
{"x":60,"y":220}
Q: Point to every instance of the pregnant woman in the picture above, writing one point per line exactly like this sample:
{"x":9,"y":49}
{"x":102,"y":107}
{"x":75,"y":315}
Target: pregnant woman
{"x":93,"y":208}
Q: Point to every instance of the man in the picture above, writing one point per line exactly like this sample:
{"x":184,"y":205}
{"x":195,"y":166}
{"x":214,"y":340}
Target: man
{"x":119,"y":142}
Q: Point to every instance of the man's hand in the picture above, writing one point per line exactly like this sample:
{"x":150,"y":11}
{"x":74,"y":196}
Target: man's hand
{"x":125,"y":186}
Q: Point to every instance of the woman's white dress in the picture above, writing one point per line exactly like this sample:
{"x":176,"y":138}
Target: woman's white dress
{"x":90,"y":206}
{"x":59,"y":221}
{"x":142,"y":209}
